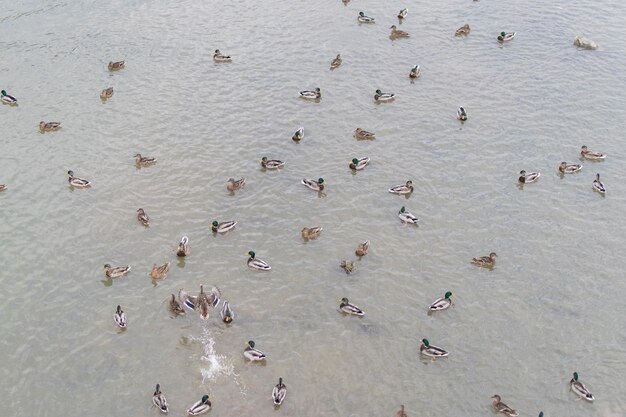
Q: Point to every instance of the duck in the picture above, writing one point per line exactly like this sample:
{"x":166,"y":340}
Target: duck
{"x":49,"y":126}
{"x":200,"y":407}
{"x":415,"y":72}
{"x":233,"y":184}
{"x":363,"y":134}
{"x":253,"y":354}
{"x":528,"y":177}
{"x":7,"y":99}
{"x":160,"y":272}
{"x":441,"y":303}
{"x":347,"y":266}
{"x":106,"y":93}
{"x":219,"y":57}
{"x":579,"y":388}
{"x":501,"y":407}
{"x":183,"y":248}
{"x":175,"y":306}
{"x":566,"y":168}
{"x":380,"y":96}
{"x":118,"y":65}
{"x":395,"y":33}
{"x":406,"y":216}
{"x":144,"y":161}
{"x":202,"y":304}
{"x":187,"y":300}
{"x":257,"y":264}
{"x":505,"y":37}
{"x":311,"y":232}
{"x":271,"y":163}
{"x":349,"y":308}
{"x":433,"y":351}
{"x":298,"y":135}
{"x":461,"y":114}
{"x":402,"y":13}
{"x":359,"y":164}
{"x":401,"y":412}
{"x":363,"y":248}
{"x":227,"y":313}
{"x":3,"y":187}
{"x":76,"y":181}
{"x":142,"y":217}
{"x":336,"y":63}
{"x":365,"y":19}
{"x":314,"y":185}
{"x":158,"y":399}
{"x":116,"y":272}
{"x":402,"y":189}
{"x":485,"y":261}
{"x":223,"y":227}
{"x":587,"y":154}
{"x":585,"y":43}
{"x":311,"y":95}
{"x":120,"y":317}
{"x":598,"y":185}
{"x":279,"y":392}
{"x":463,"y":30}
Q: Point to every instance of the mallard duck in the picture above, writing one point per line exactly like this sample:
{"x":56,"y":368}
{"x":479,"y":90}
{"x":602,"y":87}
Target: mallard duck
{"x":402,"y":13}
{"x":116,"y":272}
{"x":380,"y":96}
{"x":587,"y":154}
{"x":415,"y":72}
{"x":144,"y":161}
{"x":160,"y":272}
{"x":219,"y":57}
{"x":114,"y":66}
{"x":349,"y":308}
{"x":314,"y":185}
{"x":406,"y":216}
{"x":528,"y":177}
{"x":463,"y":30}
{"x":402,"y":189}
{"x":485,"y":261}
{"x":336,"y":62}
{"x":579,"y":388}
{"x":395,"y":33}
{"x":506,"y":36}
{"x":187,"y":300}
{"x":175,"y":306}
{"x":158,"y":399}
{"x":227,"y":313}
{"x":363,"y":134}
{"x":183,"y":248}
{"x":433,"y":351}
{"x":566,"y":168}
{"x":257,"y":264}
{"x":363,"y":248}
{"x":106,"y":93}
{"x":223,"y":227}
{"x":501,"y":407}
{"x":401,"y":412}
{"x":77,"y":182}
{"x":359,"y":164}
{"x":279,"y":392}
{"x":598,"y":185}
{"x":298,"y":135}
{"x":461,"y":114}
{"x":311,"y":232}
{"x":202,"y":304}
{"x":143,"y":217}
{"x":232,"y":184}
{"x":311,"y":95}
{"x":271,"y":163}
{"x":49,"y":126}
{"x":200,"y":407}
{"x":347,"y":266}
{"x":7,"y":99}
{"x":253,"y":354}
{"x":3,"y":187}
{"x":365,"y":19}
{"x":585,"y":43}
{"x":441,"y":303}
{"x":120,"y":317}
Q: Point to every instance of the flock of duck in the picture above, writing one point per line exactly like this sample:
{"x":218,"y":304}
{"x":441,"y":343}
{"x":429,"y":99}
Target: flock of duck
{"x":204,"y":301}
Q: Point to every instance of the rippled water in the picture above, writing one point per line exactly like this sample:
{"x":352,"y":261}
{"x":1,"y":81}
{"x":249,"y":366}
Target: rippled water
{"x":551,"y":306}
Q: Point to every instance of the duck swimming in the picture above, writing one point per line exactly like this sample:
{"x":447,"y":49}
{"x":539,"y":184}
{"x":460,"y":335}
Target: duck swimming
{"x":485,"y":261}
{"x":311,"y":232}
{"x":115,"y":66}
{"x":402,"y":13}
{"x":598,"y":185}
{"x":160,"y":272}
{"x":380,"y":96}
{"x":359,"y":164}
{"x":415,"y":72}
{"x":219,"y":57}
{"x":363,"y":134}
{"x":271,"y":163}
{"x":579,"y":388}
{"x":200,"y":407}
{"x":158,"y":399}
{"x":120,"y":318}
{"x":526,"y":178}
{"x":402,"y":189}
{"x":336,"y":63}
{"x":502,"y":408}
{"x":227,"y":313}
{"x":257,"y":264}
{"x":3,"y":187}
{"x":363,"y":248}
{"x":461,"y":114}
{"x":505,"y":37}
{"x":223,"y":227}
{"x":49,"y":126}
{"x":314,"y":185}
{"x":463,"y":30}
{"x":116,"y":272}
{"x":441,"y":303}
{"x":144,"y":161}
{"x":279,"y":392}
{"x":395,"y":33}
{"x":587,"y":154}
{"x":365,"y":19}
{"x":585,"y":43}
{"x":349,"y":308}
{"x":401,"y":412}
{"x":298,"y":135}
{"x":253,"y":354}
{"x":7,"y":99}
{"x":407,"y":217}
{"x":432,"y":351}
{"x":183,"y":248}
{"x":76,"y":181}
{"x":142,"y":217}
{"x":566,"y":168}
{"x":175,"y":306}
{"x":106,"y":93}
{"x":233,"y":184}
{"x":311,"y":95}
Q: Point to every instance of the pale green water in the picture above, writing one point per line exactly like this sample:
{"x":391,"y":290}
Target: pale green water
{"x":552,"y":305}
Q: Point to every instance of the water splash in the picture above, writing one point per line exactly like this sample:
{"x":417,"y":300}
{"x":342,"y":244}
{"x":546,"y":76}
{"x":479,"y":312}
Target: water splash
{"x":216,"y":364}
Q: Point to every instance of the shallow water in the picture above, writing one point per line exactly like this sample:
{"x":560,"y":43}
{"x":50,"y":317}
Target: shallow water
{"x":551,"y":305}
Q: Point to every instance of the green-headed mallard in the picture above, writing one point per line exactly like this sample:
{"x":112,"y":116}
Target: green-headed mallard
{"x":223,"y":227}
{"x":461,"y":114}
{"x":253,"y":354}
{"x":359,"y":164}
{"x":279,"y":392}
{"x":587,"y":154}
{"x":401,"y":412}
{"x":463,"y":30}
{"x":501,"y":407}
{"x":579,"y":388}
{"x":120,"y":317}
{"x":116,"y":272}
{"x":380,"y":96}
{"x":441,"y":303}
{"x":363,"y":134}
{"x":565,"y":168}
{"x":349,"y":308}
{"x":183,"y":248}
{"x":7,"y":99}
{"x":395,"y":33}
{"x":106,"y":93}
{"x":144,"y":161}
{"x":160,"y":272}
{"x":402,"y":13}
{"x":485,"y":261}
{"x":314,"y":185}
{"x":406,"y":216}
{"x":528,"y":177}
{"x":158,"y":399}
{"x":347,"y":266}
{"x":598,"y":185}
{"x":200,"y":407}
{"x":415,"y":72}
{"x":271,"y":163}
{"x":433,"y":351}
{"x":336,"y":63}
{"x":175,"y":306}
{"x":298,"y":135}
{"x":257,"y":264}
{"x":76,"y":181}
{"x":219,"y":57}
{"x":3,"y":187}
{"x":118,"y":65}
{"x":365,"y":19}
{"x":311,"y":95}
{"x":311,"y":232}
{"x":363,"y":248}
{"x":49,"y":126}
{"x":233,"y":184}
{"x":227,"y":313}
{"x":402,"y":189}
{"x":142,"y":217}
{"x":506,"y":36}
